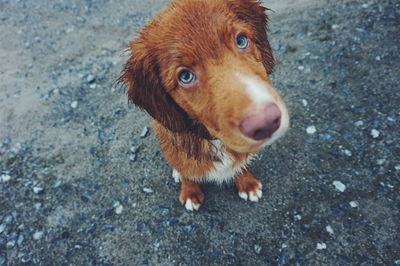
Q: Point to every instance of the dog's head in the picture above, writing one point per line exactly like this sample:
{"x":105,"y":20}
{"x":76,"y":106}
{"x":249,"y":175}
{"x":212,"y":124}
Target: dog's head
{"x":205,"y":64}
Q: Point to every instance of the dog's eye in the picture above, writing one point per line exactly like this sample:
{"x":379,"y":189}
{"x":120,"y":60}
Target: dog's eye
{"x":186,"y":77}
{"x":242,"y":42}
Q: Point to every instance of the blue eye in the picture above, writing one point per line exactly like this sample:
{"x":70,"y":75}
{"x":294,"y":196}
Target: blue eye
{"x":186,"y":77}
{"x":242,"y":42}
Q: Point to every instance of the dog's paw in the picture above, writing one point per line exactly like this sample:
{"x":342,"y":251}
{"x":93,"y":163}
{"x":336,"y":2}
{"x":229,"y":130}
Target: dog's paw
{"x":250,"y":190}
{"x":176,"y":175}
{"x":192,"y":201}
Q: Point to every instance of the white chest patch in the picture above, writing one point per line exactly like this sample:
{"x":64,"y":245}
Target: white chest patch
{"x":224,"y":171}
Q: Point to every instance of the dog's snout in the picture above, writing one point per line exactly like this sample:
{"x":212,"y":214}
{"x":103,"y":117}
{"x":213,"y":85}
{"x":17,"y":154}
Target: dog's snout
{"x":262,"y":125}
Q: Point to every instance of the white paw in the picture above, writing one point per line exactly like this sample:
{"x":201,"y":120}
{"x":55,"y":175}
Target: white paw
{"x":190,"y":206}
{"x":253,"y":195}
{"x":176,"y":175}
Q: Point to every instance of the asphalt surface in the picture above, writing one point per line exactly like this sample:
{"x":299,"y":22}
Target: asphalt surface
{"x":80,"y":186}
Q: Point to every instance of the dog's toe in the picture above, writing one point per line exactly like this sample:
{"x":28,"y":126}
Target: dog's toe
{"x":191,"y":206}
{"x":176,"y":175}
{"x":253,"y":194}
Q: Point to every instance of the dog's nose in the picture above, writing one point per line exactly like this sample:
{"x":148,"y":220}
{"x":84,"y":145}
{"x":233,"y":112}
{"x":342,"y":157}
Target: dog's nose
{"x":262,"y":125}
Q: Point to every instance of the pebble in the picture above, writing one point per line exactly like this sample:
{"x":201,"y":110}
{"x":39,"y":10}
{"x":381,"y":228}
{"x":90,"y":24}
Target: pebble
{"x":301,"y":68}
{"x":397,"y":167}
{"x":37,"y":190}
{"x":321,"y":246}
{"x":132,"y":157}
{"x":311,"y":130}
{"x":348,"y":153}
{"x":118,"y":208}
{"x":38,"y":235}
{"x":2,"y":227}
{"x":74,"y":104}
{"x":5,"y":178}
{"x":339,"y":186}
{"x":145,"y":130}
{"x":93,"y":86}
{"x":2,"y":260}
{"x":329,"y":229}
{"x":359,"y":123}
{"x":90,"y":78}
{"x":10,"y":244}
{"x":297,"y":217}
{"x":8,"y":219}
{"x":335,"y":26}
{"x":397,"y":262}
{"x":353,"y":204}
{"x":375,"y":133}
{"x":380,"y":161}
{"x":257,"y":249}
{"x":305,"y":103}
{"x":148,"y":190}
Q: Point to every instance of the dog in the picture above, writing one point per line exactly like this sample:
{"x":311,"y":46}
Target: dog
{"x":201,"y":70}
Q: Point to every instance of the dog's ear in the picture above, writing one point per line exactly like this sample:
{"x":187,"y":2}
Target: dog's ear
{"x":253,"y":13}
{"x":145,"y":89}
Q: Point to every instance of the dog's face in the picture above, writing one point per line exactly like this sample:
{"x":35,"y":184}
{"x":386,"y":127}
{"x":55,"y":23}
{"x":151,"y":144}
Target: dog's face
{"x":208,"y":62}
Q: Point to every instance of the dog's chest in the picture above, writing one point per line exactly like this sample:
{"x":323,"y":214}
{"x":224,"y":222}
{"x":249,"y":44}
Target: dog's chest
{"x":226,"y":167}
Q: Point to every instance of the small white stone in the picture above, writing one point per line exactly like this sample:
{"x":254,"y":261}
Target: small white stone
{"x":5,"y":178}
{"x":148,"y":190}
{"x":359,"y":123}
{"x":321,"y":246}
{"x":378,"y":58}
{"x":305,"y":103}
{"x":257,"y":249}
{"x":329,"y":229}
{"x":380,"y":161}
{"x":353,"y":204}
{"x":38,"y":235}
{"x":339,"y":186}
{"x":119,"y":209}
{"x":375,"y":133}
{"x":144,"y":132}
{"x":38,"y":205}
{"x":348,"y":153}
{"x":37,"y":190}
{"x":397,"y":167}
{"x":364,"y":5}
{"x":335,"y":26}
{"x":311,"y":130}
{"x":301,"y":68}
{"x":284,"y":245}
{"x":93,"y":86}
{"x":74,"y":104}
{"x":297,"y":217}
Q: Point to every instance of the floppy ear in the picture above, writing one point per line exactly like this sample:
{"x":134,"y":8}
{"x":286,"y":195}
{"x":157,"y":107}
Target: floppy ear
{"x":253,"y":13}
{"x":146,"y":90}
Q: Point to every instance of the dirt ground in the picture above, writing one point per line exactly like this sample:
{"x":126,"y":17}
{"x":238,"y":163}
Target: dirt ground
{"x":74,"y":193}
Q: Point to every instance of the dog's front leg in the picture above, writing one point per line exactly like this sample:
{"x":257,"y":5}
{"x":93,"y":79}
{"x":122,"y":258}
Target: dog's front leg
{"x":249,"y":186}
{"x":191,"y":194}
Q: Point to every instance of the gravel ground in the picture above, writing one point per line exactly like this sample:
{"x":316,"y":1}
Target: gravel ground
{"x":81,"y":186}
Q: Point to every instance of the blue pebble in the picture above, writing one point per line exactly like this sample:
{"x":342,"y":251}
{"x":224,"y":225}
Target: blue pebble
{"x":8,"y":219}
{"x":338,"y":211}
{"x":347,"y":135}
{"x":2,"y":260}
{"x":215,"y":255}
{"x":397,"y":262}
{"x":309,"y":140}
{"x":124,"y":181}
{"x":189,"y":228}
{"x":92,"y":150}
{"x":282,"y":259}
{"x":101,"y":135}
{"x":324,"y":137}
{"x":98,"y":163}
{"x":7,"y":141}
{"x":376,"y":123}
{"x":107,"y":227}
{"x":2,"y":241}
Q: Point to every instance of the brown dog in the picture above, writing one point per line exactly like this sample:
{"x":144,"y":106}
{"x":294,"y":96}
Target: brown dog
{"x":200,"y":69}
